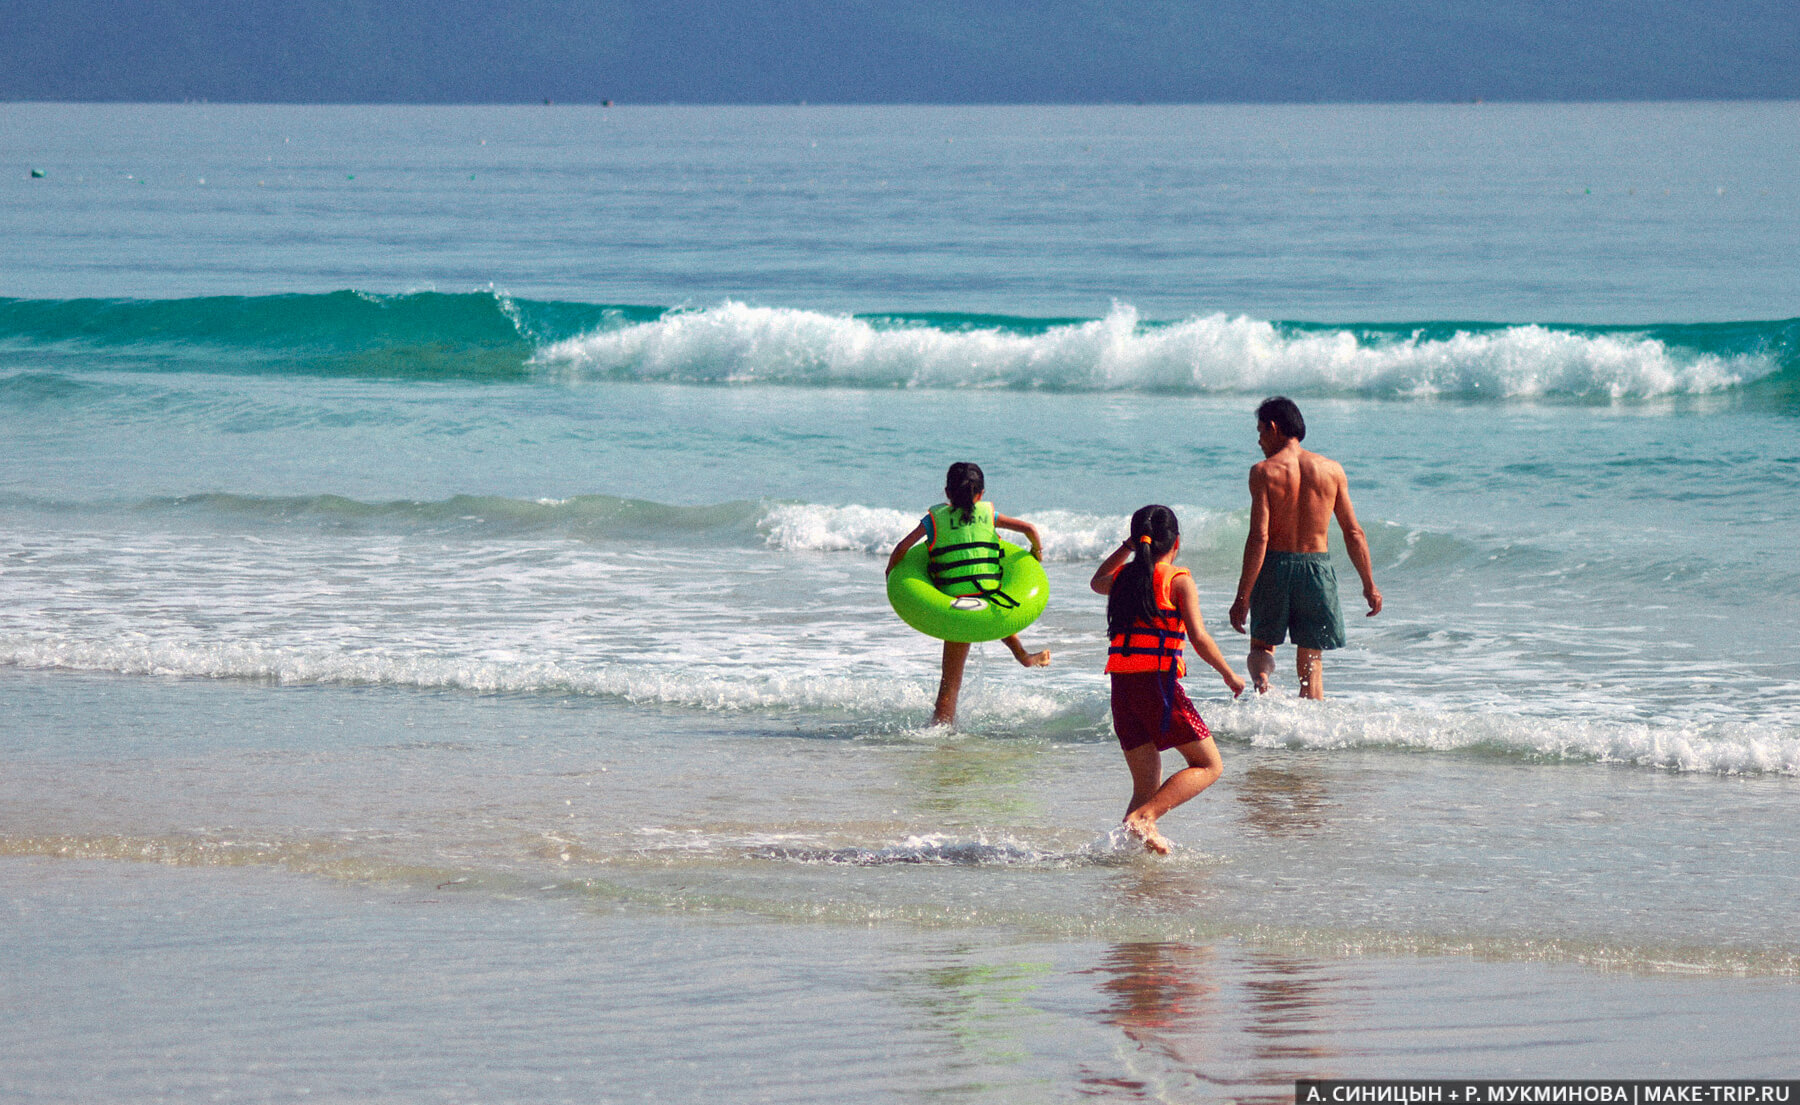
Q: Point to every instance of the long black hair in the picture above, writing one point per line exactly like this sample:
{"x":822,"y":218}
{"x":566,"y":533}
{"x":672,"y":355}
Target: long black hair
{"x":962,"y":483}
{"x":1154,"y":532}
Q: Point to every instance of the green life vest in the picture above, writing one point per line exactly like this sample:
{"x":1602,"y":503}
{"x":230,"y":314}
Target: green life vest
{"x":965,"y":556}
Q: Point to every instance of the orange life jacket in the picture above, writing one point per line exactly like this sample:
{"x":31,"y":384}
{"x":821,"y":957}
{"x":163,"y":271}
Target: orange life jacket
{"x":1155,"y":646}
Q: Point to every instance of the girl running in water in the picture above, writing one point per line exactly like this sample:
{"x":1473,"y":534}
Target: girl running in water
{"x":1151,"y":607}
{"x":953,"y":527}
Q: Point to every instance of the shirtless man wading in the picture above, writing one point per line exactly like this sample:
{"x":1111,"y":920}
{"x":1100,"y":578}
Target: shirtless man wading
{"x":1288,"y":587}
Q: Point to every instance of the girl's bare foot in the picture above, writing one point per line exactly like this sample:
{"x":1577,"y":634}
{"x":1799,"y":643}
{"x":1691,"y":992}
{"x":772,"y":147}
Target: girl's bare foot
{"x":1035,"y":659}
{"x":1144,"y":828}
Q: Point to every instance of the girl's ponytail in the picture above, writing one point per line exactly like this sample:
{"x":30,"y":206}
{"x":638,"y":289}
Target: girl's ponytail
{"x":962,"y":483}
{"x":1154,"y":532}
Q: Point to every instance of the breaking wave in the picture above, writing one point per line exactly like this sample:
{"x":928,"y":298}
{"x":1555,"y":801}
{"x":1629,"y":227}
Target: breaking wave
{"x":738,"y":343}
{"x":492,"y":336}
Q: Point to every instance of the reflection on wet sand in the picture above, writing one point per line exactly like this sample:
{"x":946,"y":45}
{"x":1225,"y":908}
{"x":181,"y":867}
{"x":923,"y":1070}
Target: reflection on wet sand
{"x":1205,"y":1027}
{"x":1162,"y":998}
{"x":1293,"y":1005}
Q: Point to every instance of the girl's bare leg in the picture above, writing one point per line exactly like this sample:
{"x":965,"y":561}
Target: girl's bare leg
{"x":956,"y":654}
{"x":1149,"y":800}
{"x":1029,"y":659}
{"x":1145,"y":762}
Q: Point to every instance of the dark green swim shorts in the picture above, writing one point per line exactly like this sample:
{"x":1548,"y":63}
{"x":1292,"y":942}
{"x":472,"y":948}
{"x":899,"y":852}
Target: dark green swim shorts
{"x":1296,"y":594}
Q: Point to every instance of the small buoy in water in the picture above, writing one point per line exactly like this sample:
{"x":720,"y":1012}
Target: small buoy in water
{"x":37,"y":174}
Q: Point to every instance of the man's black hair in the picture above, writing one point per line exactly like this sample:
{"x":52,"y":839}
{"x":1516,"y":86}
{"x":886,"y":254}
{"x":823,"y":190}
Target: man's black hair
{"x":1285,"y":415}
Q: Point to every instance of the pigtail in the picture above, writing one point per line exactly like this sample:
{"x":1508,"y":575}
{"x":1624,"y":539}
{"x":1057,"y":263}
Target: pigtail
{"x":1154,"y":532}
{"x":962,"y":483}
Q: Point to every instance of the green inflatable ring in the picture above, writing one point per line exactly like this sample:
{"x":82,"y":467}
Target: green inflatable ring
{"x":930,"y":611}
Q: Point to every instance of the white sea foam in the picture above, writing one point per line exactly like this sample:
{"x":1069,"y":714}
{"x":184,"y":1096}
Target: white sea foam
{"x":932,"y":849}
{"x":723,"y":689}
{"x":926,"y":849}
{"x":739,"y":343}
{"x":551,"y":615}
{"x":807,"y":527}
{"x":1068,"y":536}
{"x":1721,"y":746}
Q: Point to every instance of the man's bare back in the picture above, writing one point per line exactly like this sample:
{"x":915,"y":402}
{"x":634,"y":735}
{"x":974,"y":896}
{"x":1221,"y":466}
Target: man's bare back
{"x":1294,"y":494}
{"x":1301,"y":490}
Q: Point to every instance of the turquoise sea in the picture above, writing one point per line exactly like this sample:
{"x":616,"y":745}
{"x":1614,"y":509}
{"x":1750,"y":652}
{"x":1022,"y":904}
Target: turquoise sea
{"x":444,"y":657}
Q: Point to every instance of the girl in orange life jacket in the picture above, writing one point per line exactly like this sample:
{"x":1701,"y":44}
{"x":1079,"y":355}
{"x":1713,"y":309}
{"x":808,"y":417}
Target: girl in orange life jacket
{"x":963,"y":573}
{"x":1151,"y":607}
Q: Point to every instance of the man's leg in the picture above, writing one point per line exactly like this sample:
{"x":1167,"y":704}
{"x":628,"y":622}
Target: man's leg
{"x":1318,"y":625}
{"x":1261,"y":663}
{"x":956,"y":654}
{"x":1310,"y":664}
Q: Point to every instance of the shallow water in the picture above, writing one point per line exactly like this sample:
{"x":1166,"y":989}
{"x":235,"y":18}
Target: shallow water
{"x":755,"y":914}
{"x":343,"y":993}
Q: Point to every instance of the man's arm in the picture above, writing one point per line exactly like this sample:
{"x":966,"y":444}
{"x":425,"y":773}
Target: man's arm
{"x":1256,"y":546}
{"x":1356,"y":543}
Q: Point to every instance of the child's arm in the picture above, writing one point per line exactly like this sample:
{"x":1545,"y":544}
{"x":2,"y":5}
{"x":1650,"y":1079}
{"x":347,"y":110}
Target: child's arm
{"x":1109,"y":568}
{"x":1019,"y":525}
{"x":1187,"y":600}
{"x":906,"y":542}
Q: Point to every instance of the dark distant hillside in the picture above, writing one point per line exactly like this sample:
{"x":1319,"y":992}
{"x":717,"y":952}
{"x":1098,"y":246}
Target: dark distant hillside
{"x":890,"y":51}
